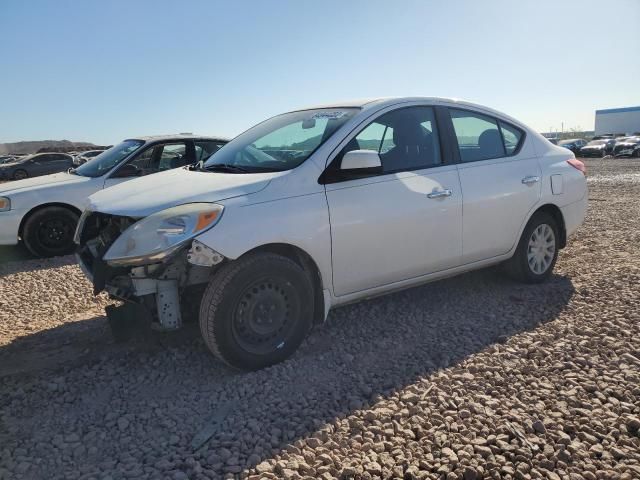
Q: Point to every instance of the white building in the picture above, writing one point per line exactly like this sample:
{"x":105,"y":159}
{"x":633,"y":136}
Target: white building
{"x":618,"y":120}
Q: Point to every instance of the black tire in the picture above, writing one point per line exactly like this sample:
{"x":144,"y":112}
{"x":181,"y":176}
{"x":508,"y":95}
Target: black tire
{"x":20,"y":174}
{"x":519,"y":266}
{"x":256,"y":311}
{"x":48,"y":232}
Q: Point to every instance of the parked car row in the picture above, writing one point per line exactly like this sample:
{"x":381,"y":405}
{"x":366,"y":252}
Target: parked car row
{"x":304,"y":212}
{"x":35,"y":165}
{"x":18,"y":167}
{"x":604,"y":145}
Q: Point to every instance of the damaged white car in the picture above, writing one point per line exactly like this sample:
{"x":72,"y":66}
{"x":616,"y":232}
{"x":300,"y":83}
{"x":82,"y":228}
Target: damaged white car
{"x":320,"y":207}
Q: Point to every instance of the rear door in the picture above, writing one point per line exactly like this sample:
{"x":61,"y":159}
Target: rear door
{"x":59,"y":163}
{"x":42,"y":164}
{"x":205,"y":148}
{"x":500,"y":179}
{"x":403,"y":222}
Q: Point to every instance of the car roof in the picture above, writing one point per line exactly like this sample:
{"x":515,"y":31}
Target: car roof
{"x":180,"y":136}
{"x":384,"y":101}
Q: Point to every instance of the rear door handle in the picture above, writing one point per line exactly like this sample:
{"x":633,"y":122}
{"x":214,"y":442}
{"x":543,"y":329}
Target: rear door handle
{"x":530,"y":180}
{"x":439,"y":194}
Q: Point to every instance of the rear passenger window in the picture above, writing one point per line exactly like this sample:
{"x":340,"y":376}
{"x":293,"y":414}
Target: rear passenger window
{"x":478,"y":136}
{"x":511,"y":136}
{"x":204,"y":149}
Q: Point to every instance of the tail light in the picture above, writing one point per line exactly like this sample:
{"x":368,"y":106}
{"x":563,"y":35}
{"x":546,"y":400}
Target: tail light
{"x":578,"y":165}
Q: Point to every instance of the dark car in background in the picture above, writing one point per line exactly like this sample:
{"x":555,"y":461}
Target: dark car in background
{"x":598,"y":148}
{"x":627,"y":147}
{"x":83,"y":157}
{"x":573,"y":144}
{"x":36,"y":165}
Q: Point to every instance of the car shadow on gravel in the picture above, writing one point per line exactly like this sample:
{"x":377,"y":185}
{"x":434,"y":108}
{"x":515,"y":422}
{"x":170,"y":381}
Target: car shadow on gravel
{"x":18,"y":259}
{"x":365,"y":353}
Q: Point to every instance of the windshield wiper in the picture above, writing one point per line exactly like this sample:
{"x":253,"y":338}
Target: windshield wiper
{"x":226,"y":167}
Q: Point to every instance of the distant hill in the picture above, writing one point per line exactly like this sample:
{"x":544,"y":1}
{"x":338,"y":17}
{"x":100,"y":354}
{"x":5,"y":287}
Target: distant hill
{"x":46,"y":146}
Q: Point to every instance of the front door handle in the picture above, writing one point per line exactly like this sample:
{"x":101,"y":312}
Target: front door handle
{"x":439,"y":194}
{"x":530,"y":180}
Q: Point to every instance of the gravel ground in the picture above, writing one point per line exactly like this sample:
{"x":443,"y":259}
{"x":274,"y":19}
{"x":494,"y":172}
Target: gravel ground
{"x":472,"y":377}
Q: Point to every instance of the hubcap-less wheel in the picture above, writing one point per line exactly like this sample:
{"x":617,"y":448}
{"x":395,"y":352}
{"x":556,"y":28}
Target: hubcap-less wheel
{"x":262,"y":320}
{"x":55,"y":233}
{"x":541,"y":249}
{"x":20,"y":175}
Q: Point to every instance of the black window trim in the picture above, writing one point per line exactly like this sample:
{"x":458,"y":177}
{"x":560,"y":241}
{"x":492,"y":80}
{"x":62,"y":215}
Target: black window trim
{"x":332,"y":174}
{"x":498,"y":121}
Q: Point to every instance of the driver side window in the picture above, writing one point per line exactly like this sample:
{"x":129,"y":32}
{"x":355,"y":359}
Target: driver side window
{"x":406,"y":139}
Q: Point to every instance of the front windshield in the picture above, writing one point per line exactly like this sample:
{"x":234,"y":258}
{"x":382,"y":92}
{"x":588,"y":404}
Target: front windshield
{"x":567,"y":142}
{"x":102,"y":163}
{"x":280,"y":143}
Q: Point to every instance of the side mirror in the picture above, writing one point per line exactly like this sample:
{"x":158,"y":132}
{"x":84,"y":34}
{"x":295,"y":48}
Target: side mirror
{"x":365,"y":161}
{"x":128,"y":170}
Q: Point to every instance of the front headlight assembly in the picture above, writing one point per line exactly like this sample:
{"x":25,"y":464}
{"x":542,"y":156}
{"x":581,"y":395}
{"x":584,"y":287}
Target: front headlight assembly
{"x":5,"y":204}
{"x":157,"y":236}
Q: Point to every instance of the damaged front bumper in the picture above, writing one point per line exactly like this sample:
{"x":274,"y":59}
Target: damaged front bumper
{"x":158,"y":287}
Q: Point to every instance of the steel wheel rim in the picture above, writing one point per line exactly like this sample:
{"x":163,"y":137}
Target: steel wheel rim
{"x":19,"y":175}
{"x":264,"y":316}
{"x":54,"y":233}
{"x":541,"y":249}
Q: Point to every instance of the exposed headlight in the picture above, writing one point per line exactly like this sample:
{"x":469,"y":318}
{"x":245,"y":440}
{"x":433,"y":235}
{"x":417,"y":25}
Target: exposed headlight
{"x":159,"y":235}
{"x":5,"y":204}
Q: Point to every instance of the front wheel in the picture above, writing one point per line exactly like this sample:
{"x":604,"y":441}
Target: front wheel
{"x":49,"y":232}
{"x":537,"y":250}
{"x":256,"y":311}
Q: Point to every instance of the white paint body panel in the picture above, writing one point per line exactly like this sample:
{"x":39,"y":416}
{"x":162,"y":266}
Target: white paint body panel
{"x":374,"y":235}
{"x":370,"y":215}
{"x":63,"y":188}
{"x":495,"y":203}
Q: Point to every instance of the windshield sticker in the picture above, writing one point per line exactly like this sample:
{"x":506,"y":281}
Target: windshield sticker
{"x":328,"y":115}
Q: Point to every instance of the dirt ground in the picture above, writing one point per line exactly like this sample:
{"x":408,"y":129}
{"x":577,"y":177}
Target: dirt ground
{"x":472,"y":377}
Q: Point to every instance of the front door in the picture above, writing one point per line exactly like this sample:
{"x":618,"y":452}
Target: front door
{"x":153,"y":159}
{"x":500,"y":178}
{"x":404,"y":222}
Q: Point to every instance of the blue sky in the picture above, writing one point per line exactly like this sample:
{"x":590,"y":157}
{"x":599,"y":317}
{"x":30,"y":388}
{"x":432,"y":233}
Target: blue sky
{"x":104,"y":70}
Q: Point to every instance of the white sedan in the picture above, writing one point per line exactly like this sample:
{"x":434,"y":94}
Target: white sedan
{"x":43,"y":212}
{"x":320,"y":207}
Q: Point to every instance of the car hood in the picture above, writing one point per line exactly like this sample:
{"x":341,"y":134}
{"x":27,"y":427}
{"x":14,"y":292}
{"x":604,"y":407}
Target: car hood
{"x":38,"y":183}
{"x":597,"y":147}
{"x":144,"y":196}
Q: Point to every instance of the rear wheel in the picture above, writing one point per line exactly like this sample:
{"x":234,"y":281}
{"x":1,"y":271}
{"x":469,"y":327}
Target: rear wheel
{"x":20,"y":174}
{"x":537,"y":250}
{"x":48,"y":232}
{"x":256,"y":311}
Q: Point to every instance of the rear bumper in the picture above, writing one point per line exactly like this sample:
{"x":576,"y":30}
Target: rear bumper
{"x":574,"y":214}
{"x":10,"y":226}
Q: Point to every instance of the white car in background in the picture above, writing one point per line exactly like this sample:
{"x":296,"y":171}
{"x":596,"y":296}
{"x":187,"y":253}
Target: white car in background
{"x":43,"y":212}
{"x":84,"y":157}
{"x":320,"y":207}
